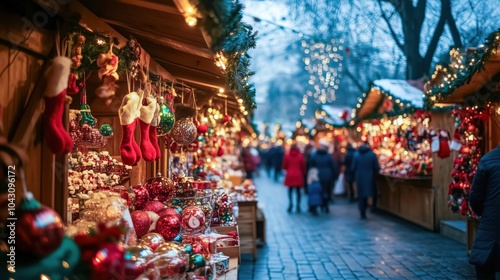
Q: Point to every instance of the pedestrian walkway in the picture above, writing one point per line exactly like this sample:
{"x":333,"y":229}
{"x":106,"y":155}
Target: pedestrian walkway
{"x":341,"y":246}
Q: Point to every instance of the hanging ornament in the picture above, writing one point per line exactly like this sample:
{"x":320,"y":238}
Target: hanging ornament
{"x":39,"y":229}
{"x":161,"y":188}
{"x":184,"y":132}
{"x":141,"y":196}
{"x":106,"y":130}
{"x":202,"y":129}
{"x":76,"y":62}
{"x":167,"y":118}
{"x":85,"y":114}
{"x":108,"y":63}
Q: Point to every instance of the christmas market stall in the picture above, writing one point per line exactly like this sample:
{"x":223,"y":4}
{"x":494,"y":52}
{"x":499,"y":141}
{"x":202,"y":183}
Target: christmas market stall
{"x":121,"y":124}
{"x":391,"y":119}
{"x":472,"y":85}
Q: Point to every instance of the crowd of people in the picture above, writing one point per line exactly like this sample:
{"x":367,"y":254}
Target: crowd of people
{"x":315,"y":170}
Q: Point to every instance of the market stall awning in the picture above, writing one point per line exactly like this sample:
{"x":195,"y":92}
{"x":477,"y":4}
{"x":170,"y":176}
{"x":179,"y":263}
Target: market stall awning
{"x":335,"y":116}
{"x":482,"y":74}
{"x":389,"y":98}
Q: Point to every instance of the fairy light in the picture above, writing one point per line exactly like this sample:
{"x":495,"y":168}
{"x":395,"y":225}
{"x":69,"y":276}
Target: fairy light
{"x":323,"y":62}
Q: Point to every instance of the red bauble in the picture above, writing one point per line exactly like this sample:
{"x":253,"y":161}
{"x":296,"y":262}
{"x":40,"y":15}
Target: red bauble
{"x":161,"y":188}
{"x":141,"y":196}
{"x":169,"y":226}
{"x":136,"y":260}
{"x":108,"y":263}
{"x":226,"y":118}
{"x":141,"y":222}
{"x":202,"y":128}
{"x":193,"y":220}
{"x":197,"y":248}
{"x":169,"y":211}
{"x":471,"y":128}
{"x":154,"y":206}
{"x":220,"y":152}
{"x":39,"y":229}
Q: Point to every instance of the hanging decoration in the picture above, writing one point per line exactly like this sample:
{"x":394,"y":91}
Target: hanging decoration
{"x":469,"y":124}
{"x":108,"y":66}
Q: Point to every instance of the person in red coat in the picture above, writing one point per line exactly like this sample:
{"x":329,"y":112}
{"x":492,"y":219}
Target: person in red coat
{"x":295,"y":167}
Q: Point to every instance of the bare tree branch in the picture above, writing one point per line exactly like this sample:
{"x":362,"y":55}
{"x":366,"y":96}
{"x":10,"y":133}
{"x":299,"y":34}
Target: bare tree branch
{"x":420,"y":11}
{"x":431,"y":49}
{"x":354,"y":79}
{"x":455,"y":34}
{"x":393,"y":33}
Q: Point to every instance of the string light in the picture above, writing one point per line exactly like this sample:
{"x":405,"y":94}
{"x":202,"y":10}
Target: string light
{"x":323,"y":62}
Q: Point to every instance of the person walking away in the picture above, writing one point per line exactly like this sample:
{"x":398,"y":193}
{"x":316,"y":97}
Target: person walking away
{"x":314,"y":191}
{"x":248,"y":163}
{"x":365,"y":166}
{"x":327,"y":172}
{"x":484,"y":200}
{"x":277,"y":161}
{"x":349,"y":172}
{"x":308,"y":150}
{"x":295,"y":167}
{"x":256,"y":160}
{"x":268,"y":160}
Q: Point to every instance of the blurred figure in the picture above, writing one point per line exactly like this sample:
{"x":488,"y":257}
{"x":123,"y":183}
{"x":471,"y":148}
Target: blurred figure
{"x":248,"y":162}
{"x":349,"y":172}
{"x":308,"y":151}
{"x":314,"y":191}
{"x":327,"y":172}
{"x":485,"y":201}
{"x":295,"y":167}
{"x":256,"y":160}
{"x":277,"y":155}
{"x":365,"y":166}
{"x":268,"y":160}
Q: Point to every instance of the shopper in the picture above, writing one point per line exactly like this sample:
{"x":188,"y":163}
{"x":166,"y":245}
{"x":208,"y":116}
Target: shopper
{"x":268,"y":160}
{"x":295,"y":167}
{"x":314,"y":191}
{"x":248,"y":163}
{"x":277,"y":161}
{"x":349,"y":172}
{"x":365,"y":166}
{"x":327,"y":172}
{"x":484,"y":200}
{"x":308,"y":151}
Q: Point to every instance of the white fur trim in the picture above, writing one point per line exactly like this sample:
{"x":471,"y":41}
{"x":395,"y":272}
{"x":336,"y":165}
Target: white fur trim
{"x":156,"y":118}
{"x":148,"y":111}
{"x":435,"y":144}
{"x":128,"y":111}
{"x":57,"y":76}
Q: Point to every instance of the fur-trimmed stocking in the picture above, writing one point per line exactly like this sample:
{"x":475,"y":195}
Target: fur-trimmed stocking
{"x":147,"y":113}
{"x":153,"y":135}
{"x":128,"y":113}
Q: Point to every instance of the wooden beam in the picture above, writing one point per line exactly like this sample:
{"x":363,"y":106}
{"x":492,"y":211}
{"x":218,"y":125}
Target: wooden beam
{"x":184,"y":6}
{"x":151,"y":6}
{"x":161,"y":39}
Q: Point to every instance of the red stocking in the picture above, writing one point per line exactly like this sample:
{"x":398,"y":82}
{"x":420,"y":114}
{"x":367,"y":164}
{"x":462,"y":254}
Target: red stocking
{"x":153,"y":135}
{"x":57,"y":75}
{"x":147,"y":113}
{"x":128,"y":112}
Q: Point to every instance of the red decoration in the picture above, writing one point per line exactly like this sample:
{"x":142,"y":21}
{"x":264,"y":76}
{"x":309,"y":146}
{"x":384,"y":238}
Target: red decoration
{"x":108,"y":263}
{"x":169,"y":226}
{"x":141,"y":222}
{"x":202,"y":129}
{"x":39,"y":229}
{"x":161,"y":188}
{"x":344,"y":115}
{"x":154,"y":206}
{"x":226,"y":118}
{"x":193,"y":220}
{"x":141,"y":196}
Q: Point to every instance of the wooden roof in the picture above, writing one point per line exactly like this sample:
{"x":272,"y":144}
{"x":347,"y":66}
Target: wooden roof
{"x":478,"y":80}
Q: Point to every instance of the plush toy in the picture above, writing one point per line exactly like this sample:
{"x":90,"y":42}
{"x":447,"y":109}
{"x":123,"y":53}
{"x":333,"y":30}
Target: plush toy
{"x":108,"y":63}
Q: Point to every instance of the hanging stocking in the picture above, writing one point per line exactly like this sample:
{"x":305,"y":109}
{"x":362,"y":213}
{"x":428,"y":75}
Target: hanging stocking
{"x":58,"y":139}
{"x":146,"y":116}
{"x":444,"y":144}
{"x":128,"y":113}
{"x":434,"y":141}
{"x":153,"y":135}
{"x":456,"y":143}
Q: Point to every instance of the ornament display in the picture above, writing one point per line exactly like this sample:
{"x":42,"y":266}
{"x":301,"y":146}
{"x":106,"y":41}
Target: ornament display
{"x":193,"y":220}
{"x":161,"y":188}
{"x":141,"y":222}
{"x":184,"y":132}
{"x":136,"y":260}
{"x":39,"y":229}
{"x":154,"y":206}
{"x":169,"y":226}
{"x":152,"y":240}
{"x":106,"y":130}
{"x":141,"y":196}
{"x":167,"y":119}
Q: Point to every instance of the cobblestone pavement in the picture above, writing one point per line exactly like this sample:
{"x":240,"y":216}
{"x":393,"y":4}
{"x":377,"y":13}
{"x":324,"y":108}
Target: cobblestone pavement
{"x":339,"y":245}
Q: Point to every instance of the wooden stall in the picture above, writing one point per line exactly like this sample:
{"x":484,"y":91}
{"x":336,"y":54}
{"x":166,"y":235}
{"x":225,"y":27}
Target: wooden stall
{"x":474,"y":85}
{"x":407,"y":194}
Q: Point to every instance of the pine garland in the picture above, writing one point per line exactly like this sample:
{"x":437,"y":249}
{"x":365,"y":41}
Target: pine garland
{"x":480,"y":57}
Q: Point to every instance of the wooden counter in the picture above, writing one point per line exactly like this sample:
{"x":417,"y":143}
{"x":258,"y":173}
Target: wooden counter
{"x":410,"y":198}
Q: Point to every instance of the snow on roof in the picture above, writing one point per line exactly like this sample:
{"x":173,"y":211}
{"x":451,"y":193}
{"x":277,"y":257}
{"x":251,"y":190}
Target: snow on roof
{"x":334,"y":114}
{"x":403,"y":90}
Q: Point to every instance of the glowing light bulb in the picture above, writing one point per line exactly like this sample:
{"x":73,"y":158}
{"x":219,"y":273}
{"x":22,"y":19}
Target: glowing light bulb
{"x":191,"y":21}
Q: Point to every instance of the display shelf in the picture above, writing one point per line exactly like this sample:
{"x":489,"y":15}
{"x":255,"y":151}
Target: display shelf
{"x":247,"y":227}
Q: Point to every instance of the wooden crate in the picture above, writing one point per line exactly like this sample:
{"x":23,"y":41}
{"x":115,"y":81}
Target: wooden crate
{"x":230,"y":251}
{"x":247,"y":227}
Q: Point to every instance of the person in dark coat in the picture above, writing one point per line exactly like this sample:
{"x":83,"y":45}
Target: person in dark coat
{"x":484,"y":200}
{"x":268,"y":160}
{"x":349,"y":172}
{"x":365,"y":166}
{"x":295,"y":167}
{"x":308,"y":151}
{"x":327,"y":172}
{"x":314,"y":192}
{"x":248,"y":162}
{"x":277,"y":161}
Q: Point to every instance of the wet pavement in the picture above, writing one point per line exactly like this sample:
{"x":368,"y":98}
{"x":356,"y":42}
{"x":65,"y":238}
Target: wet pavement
{"x":339,"y":245}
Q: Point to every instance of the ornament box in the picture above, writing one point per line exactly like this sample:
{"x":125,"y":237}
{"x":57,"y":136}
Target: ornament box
{"x":230,"y":251}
